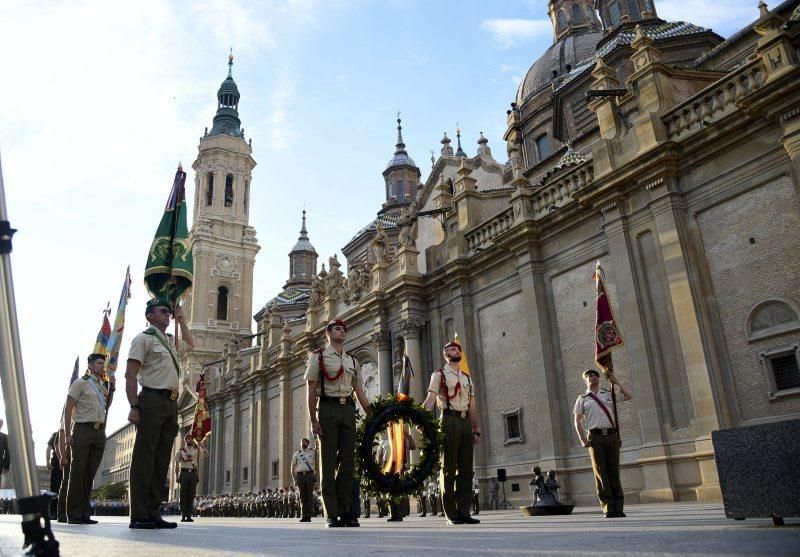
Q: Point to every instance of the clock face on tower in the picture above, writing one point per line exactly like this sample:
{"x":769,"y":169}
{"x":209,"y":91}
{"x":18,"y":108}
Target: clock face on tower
{"x":369,"y":374}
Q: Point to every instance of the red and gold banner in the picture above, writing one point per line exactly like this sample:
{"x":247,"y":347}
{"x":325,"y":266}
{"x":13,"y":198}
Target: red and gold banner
{"x":607,"y":335}
{"x":201,"y":426}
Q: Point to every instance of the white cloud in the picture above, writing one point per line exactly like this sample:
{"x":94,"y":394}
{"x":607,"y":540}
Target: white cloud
{"x":724,"y":18}
{"x":507,"y":32}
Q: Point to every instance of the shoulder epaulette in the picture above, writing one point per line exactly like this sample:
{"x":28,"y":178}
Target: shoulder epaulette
{"x":149,"y":331}
{"x":85,"y":377}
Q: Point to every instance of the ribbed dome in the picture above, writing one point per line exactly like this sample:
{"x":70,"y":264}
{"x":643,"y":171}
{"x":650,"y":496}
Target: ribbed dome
{"x":569,"y":50}
{"x":228,"y":87}
{"x":400,"y":159}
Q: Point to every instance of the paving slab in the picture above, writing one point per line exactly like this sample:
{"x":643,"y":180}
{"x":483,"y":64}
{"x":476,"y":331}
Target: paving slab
{"x":656,"y":529}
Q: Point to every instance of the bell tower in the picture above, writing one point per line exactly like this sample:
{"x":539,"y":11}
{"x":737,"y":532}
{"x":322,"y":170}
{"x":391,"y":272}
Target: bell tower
{"x":223,"y":242}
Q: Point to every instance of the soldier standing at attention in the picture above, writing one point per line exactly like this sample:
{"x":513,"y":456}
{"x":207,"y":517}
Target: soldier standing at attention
{"x":153,"y":362}
{"x":454,"y":392}
{"x":186,"y":471}
{"x":332,"y":376}
{"x":302,"y":470}
{"x":87,"y":403}
{"x":593,"y":413}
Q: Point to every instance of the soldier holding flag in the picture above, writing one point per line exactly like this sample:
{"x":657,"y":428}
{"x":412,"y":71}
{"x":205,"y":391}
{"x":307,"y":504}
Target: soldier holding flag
{"x":596,"y":409}
{"x":153,"y":363}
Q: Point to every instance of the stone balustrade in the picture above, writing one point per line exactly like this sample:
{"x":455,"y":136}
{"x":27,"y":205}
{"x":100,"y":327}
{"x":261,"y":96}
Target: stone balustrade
{"x":560,"y":192}
{"x":486,"y":232}
{"x":715,"y":101}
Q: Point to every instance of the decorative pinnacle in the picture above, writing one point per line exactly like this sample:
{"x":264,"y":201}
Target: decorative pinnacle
{"x":400,"y":145}
{"x":230,"y":63}
{"x":303,"y":230}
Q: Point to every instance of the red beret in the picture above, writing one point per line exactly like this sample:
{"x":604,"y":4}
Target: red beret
{"x":453,"y":343}
{"x":336,"y":323}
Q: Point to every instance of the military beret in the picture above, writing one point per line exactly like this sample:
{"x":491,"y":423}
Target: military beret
{"x":336,"y":323}
{"x":452,"y":343}
{"x":154,"y":303}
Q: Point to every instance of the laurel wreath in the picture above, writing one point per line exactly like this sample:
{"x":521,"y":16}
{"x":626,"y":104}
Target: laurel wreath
{"x":384,"y":411}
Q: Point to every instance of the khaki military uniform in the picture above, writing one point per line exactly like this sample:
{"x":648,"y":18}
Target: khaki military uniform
{"x":455,"y":478}
{"x":604,"y":448}
{"x":187,"y":459}
{"x":88,"y":443}
{"x":303,"y":462}
{"x":337,"y":417}
{"x":158,"y":421}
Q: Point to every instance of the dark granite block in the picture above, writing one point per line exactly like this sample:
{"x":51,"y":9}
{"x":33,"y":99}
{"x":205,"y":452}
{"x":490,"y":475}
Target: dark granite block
{"x":759,"y":469}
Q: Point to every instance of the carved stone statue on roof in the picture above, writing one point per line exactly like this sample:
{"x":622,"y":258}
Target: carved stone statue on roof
{"x":315,"y":293}
{"x":408,"y":228}
{"x":380,"y":244}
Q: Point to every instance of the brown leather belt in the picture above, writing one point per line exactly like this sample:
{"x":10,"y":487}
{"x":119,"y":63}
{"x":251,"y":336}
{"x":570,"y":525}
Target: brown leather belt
{"x":169,"y":393}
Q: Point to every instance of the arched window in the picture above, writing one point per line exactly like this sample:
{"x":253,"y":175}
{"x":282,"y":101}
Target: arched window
{"x":222,"y":303}
{"x":399,"y":191}
{"x":577,"y":14}
{"x":542,"y":147}
{"x":209,"y":188}
{"x":562,"y":21}
{"x":229,"y":190}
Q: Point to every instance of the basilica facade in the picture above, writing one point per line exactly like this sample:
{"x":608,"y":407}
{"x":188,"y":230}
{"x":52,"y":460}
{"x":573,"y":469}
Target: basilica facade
{"x":659,"y":149}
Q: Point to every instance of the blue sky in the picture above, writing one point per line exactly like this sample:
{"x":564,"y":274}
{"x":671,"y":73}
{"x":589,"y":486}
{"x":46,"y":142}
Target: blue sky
{"x":100,"y":104}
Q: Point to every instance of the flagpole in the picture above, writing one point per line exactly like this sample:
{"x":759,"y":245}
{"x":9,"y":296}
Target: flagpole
{"x":32,"y":506}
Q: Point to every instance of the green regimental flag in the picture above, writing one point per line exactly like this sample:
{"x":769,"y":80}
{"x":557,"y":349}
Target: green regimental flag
{"x":170,"y":266}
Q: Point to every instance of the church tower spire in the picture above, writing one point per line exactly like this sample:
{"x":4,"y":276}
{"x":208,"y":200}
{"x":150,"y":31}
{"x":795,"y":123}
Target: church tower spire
{"x":302,"y":260}
{"x":401,"y":175}
{"x":223,"y":242}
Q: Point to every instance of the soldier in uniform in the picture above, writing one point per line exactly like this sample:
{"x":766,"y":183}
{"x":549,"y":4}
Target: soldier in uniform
{"x":65,"y":456}
{"x":153,"y":362}
{"x":302,"y":470}
{"x":56,"y":472}
{"x":186,"y":471}
{"x":87,"y":403}
{"x":333,"y":376}
{"x":594,"y":413}
{"x":454,"y":392}
{"x":476,"y":506}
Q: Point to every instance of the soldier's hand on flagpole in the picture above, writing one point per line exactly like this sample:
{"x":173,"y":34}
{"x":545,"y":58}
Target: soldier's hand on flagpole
{"x":133,"y":416}
{"x":178,"y":314}
{"x":610,"y":377}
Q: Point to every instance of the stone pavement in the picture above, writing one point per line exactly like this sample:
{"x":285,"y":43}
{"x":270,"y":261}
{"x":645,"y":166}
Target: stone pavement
{"x":662,"y":529}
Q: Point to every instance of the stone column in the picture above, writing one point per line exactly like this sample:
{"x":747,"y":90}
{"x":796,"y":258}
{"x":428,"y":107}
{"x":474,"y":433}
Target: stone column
{"x":236,"y":459}
{"x":219,"y":449}
{"x":284,"y":415}
{"x":657,"y":483}
{"x":381,"y":341}
{"x":410,"y":331}
{"x":262,"y":436}
{"x":669,"y":224}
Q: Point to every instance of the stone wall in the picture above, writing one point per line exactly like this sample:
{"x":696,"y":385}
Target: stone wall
{"x":507,"y":378}
{"x":751,"y":244}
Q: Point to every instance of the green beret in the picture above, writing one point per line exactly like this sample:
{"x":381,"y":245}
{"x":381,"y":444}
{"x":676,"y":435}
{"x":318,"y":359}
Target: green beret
{"x":153,"y":303}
